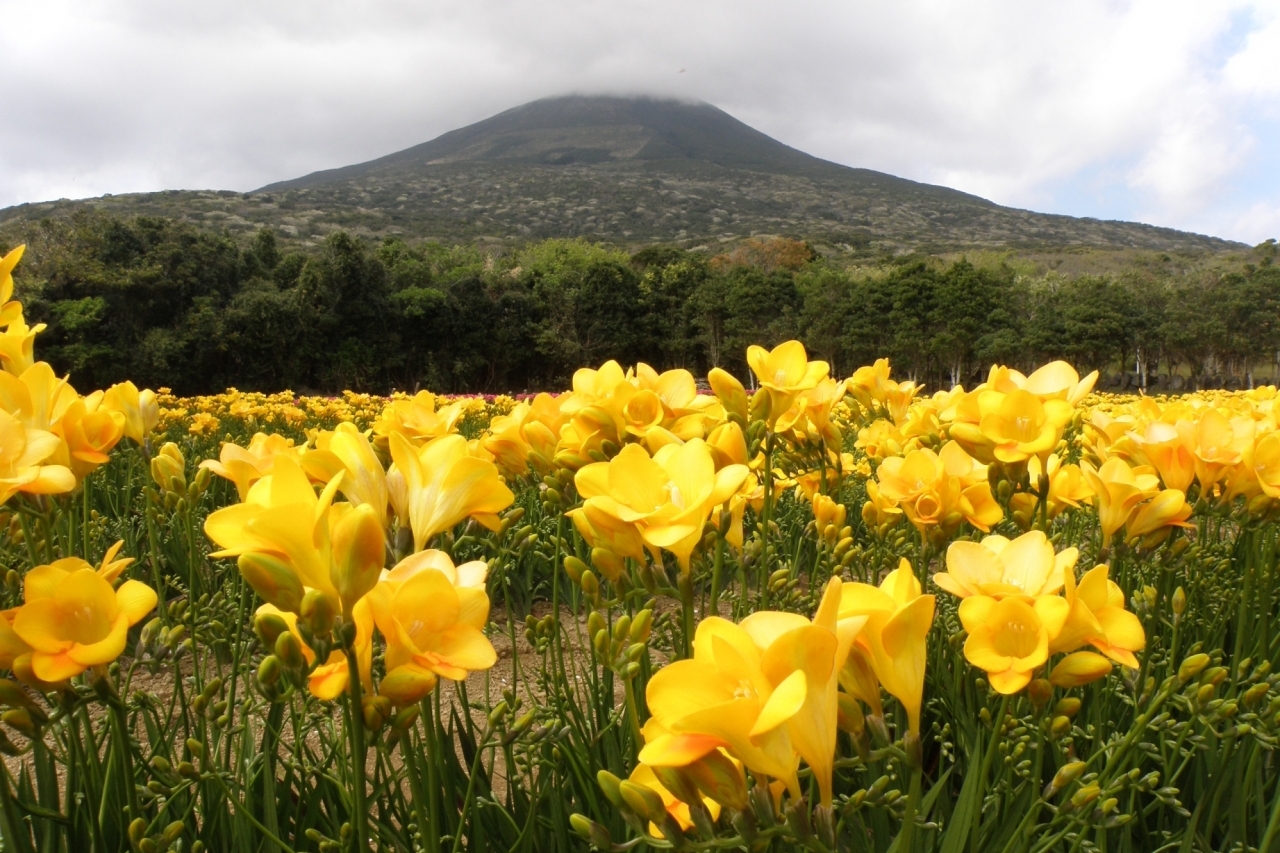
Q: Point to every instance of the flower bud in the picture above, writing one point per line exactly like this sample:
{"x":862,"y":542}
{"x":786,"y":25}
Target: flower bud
{"x":359,"y":553}
{"x":720,"y":779}
{"x":319,"y":613}
{"x":1039,"y":691}
{"x":574,"y":568}
{"x":1067,"y":707}
{"x":679,"y":783}
{"x":1192,"y":667}
{"x":272,"y":579}
{"x":269,"y":626}
{"x":20,"y":720}
{"x":610,"y":785}
{"x":289,"y":651}
{"x":641,"y":627}
{"x":1078,"y":669}
{"x":609,"y":563}
{"x":1067,"y":774}
{"x":1060,"y":727}
{"x":269,"y":671}
{"x":643,"y":801}
{"x":1085,"y":796}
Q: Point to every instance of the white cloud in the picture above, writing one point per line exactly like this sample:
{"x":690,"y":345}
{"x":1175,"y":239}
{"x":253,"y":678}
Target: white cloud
{"x":1009,"y":99}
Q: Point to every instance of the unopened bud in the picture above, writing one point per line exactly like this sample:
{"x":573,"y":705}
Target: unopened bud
{"x":1192,"y":667}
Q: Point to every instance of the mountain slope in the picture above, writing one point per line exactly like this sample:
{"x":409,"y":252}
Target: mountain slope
{"x":629,"y":170}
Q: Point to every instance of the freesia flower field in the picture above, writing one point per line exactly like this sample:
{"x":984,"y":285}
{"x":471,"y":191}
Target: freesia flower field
{"x":782,"y":611}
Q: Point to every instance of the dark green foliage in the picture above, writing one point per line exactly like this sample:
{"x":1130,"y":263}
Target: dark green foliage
{"x":165,"y":304}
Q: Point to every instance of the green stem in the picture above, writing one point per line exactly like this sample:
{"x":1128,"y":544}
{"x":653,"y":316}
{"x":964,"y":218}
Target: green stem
{"x":909,"y":816}
{"x":355,"y":728}
{"x":975,"y":828}
{"x":717,"y":567}
{"x":686,"y":600}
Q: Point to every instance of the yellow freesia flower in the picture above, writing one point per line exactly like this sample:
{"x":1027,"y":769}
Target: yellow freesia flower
{"x":289,"y":540}
{"x":805,"y":659}
{"x":24,"y":454}
{"x":439,"y":484}
{"x":1118,"y":489}
{"x":9,"y":310}
{"x":1078,"y":669}
{"x":141,"y":409}
{"x":643,"y":775}
{"x":721,"y":698}
{"x":246,"y":466}
{"x":1009,"y":637}
{"x":433,"y":622}
{"x":939,"y":489}
{"x":895,"y":636}
{"x":784,"y":372}
{"x":346,"y":452}
{"x":418,"y":420}
{"x":665,"y":499}
{"x":73,"y":619}
{"x":1096,"y":617}
{"x":998,"y":567}
{"x":88,"y":433}
{"x":1165,"y":448}
{"x":18,"y":343}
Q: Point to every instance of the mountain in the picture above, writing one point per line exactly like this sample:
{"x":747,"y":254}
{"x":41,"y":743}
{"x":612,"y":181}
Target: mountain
{"x":628,"y":170}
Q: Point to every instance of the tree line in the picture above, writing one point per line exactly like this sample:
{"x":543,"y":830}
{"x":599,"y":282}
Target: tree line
{"x":163,"y":303}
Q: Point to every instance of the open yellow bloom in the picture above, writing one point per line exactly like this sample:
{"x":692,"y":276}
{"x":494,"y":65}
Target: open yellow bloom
{"x":433,"y":616}
{"x":1097,"y":617}
{"x":895,"y":636}
{"x":765,"y":691}
{"x":246,"y":466}
{"x":1022,"y":426}
{"x":88,"y":432}
{"x":347,"y":453}
{"x":290,"y":540}
{"x":998,"y":567}
{"x":24,"y":454}
{"x":664,"y":500}
{"x":1009,"y":637}
{"x":1165,"y":448}
{"x":784,"y":372}
{"x":418,"y":420}
{"x":1217,"y":444}
{"x":9,"y":310}
{"x":439,"y":484}
{"x":141,"y":409}
{"x":18,"y":344}
{"x":1118,"y":490}
{"x":940,"y":489}
{"x":72,"y":618}
{"x":871,"y":385}
{"x":808,"y":656}
{"x":1266,"y":464}
{"x":809,"y":415}
{"x":721,"y":698}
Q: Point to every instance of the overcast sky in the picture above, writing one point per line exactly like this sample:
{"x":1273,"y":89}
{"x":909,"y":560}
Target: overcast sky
{"x":1165,"y":111}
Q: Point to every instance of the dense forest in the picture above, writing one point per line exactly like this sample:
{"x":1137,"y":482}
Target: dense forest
{"x":166,"y":304}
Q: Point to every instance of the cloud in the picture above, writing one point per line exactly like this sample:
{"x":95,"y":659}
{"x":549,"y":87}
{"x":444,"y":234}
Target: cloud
{"x":1154,"y":102}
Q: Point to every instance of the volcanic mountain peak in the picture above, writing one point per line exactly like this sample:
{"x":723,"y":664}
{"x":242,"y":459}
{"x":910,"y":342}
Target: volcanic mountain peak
{"x":629,"y":170}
